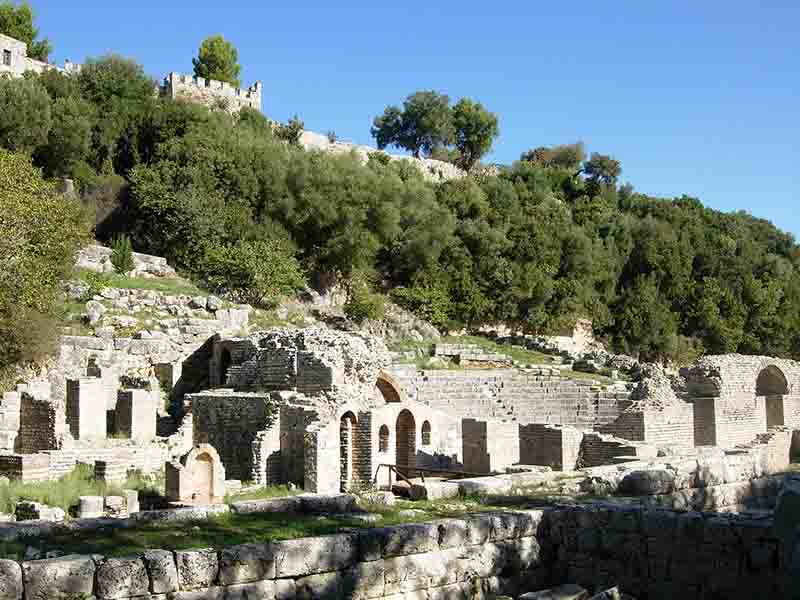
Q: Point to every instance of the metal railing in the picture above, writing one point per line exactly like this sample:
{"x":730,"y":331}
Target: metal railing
{"x":451,"y":473}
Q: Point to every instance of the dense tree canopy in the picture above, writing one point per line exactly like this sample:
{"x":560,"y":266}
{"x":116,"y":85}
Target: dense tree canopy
{"x":16,"y":21}
{"x":218,"y":59}
{"x":547,"y":240}
{"x":40,"y":232}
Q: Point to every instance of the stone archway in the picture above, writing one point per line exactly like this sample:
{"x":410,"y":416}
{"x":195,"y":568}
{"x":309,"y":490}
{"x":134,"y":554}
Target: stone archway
{"x":389,"y":388}
{"x":202,"y":479}
{"x":347,"y":449}
{"x":406,"y":443}
{"x":772,"y":386}
{"x":198,"y":477}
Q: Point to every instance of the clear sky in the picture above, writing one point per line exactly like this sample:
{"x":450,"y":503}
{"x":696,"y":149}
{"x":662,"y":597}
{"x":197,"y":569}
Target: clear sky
{"x":699,"y":97}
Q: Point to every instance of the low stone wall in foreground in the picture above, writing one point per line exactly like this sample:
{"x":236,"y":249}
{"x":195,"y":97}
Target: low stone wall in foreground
{"x":648,"y":553}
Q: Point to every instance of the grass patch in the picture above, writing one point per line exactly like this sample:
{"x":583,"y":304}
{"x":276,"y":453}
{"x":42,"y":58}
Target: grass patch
{"x":169,"y":285}
{"x":64,"y":492}
{"x":273,"y":491}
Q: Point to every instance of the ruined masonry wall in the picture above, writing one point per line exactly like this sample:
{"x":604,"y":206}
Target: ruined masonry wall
{"x":550,"y":445}
{"x":230,"y":423}
{"x":654,"y":554}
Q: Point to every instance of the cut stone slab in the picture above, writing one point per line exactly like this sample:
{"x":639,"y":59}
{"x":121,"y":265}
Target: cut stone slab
{"x":569,"y":591}
{"x":10,"y":580}
{"x":484,"y":485}
{"x":197,"y":568}
{"x":163,"y":573}
{"x":434,"y":490}
{"x":611,"y":594}
{"x":122,"y":578}
{"x":647,"y":483}
{"x":90,"y":507}
{"x":61,"y":578}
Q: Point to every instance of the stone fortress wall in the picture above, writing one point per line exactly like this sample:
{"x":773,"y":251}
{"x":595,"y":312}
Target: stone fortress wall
{"x":211,"y":93}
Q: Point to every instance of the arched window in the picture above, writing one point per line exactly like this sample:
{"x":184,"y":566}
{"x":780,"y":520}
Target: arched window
{"x":426,"y":433}
{"x":383,"y":439}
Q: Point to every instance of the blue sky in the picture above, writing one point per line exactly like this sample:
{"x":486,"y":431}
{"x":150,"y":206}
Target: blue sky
{"x":701,"y":98}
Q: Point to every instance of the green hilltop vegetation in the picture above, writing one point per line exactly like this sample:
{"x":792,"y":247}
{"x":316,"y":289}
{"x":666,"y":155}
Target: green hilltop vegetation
{"x":239,"y":207}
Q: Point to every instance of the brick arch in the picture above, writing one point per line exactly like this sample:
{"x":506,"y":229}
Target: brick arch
{"x":389,"y":388}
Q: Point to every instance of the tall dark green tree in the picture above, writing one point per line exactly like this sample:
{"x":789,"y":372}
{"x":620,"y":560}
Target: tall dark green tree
{"x":475,"y":130}
{"x":424,"y":124}
{"x":218,"y":59}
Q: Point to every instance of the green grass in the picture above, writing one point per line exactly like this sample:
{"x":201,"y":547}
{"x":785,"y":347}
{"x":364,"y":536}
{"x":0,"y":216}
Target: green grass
{"x":167,"y":285}
{"x":273,"y":491}
{"x":64,"y":492}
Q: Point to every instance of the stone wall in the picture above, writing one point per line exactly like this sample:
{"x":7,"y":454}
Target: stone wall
{"x":230,"y":422}
{"x":647,"y":553}
{"x":211,"y":93}
{"x":554,"y":446}
{"x":490,"y":446}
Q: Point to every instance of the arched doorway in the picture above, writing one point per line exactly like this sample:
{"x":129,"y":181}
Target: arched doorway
{"x":406,"y":457}
{"x":224,"y":365}
{"x":771,"y":384}
{"x":347,"y":430}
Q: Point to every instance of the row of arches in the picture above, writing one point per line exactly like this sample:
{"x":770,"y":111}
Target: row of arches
{"x":350,"y":451}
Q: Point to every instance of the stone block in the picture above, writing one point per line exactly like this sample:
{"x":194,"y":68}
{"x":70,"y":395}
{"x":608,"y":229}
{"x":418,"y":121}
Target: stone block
{"x":63,"y":578}
{"x":90,"y":507}
{"x":247,"y":563}
{"x":485,"y":485}
{"x":568,"y":591}
{"x":434,"y":490}
{"x":10,"y":580}
{"x":197,"y":568}
{"x":131,"y":501}
{"x":290,"y":504}
{"x":162,"y":570}
{"x":135,"y":414}
{"x":328,"y":503}
{"x":121,"y":578}
{"x":647,"y":483}
{"x":402,"y":540}
{"x":307,"y":556}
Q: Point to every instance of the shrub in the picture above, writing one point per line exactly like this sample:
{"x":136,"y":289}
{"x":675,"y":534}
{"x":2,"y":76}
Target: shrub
{"x":97,"y":281}
{"x":290,"y":132}
{"x":40,"y":234}
{"x":255,"y":272}
{"x":363,"y":303}
{"x":122,"y":254}
{"x":26,"y":116}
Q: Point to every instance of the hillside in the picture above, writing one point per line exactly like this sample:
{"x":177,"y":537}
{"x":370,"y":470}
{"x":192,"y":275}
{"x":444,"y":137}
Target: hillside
{"x":549,"y":239}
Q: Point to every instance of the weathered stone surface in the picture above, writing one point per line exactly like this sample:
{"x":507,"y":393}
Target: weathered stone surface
{"x":485,"y":485}
{"x":610,"y":594}
{"x":163,"y":573}
{"x":328,"y":503}
{"x":289,"y":504}
{"x":62,"y":578}
{"x":122,"y":578}
{"x":308,"y":556}
{"x":90,"y":507}
{"x":197,"y":568}
{"x":10,"y":580}
{"x":563,"y":592}
{"x":259,"y":590}
{"x":434,"y":490}
{"x":246,"y":563}
{"x":645,"y":483}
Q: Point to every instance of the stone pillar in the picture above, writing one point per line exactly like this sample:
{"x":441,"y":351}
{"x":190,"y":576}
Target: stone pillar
{"x":86,"y":410}
{"x":9,"y":420}
{"x":136,"y":414}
